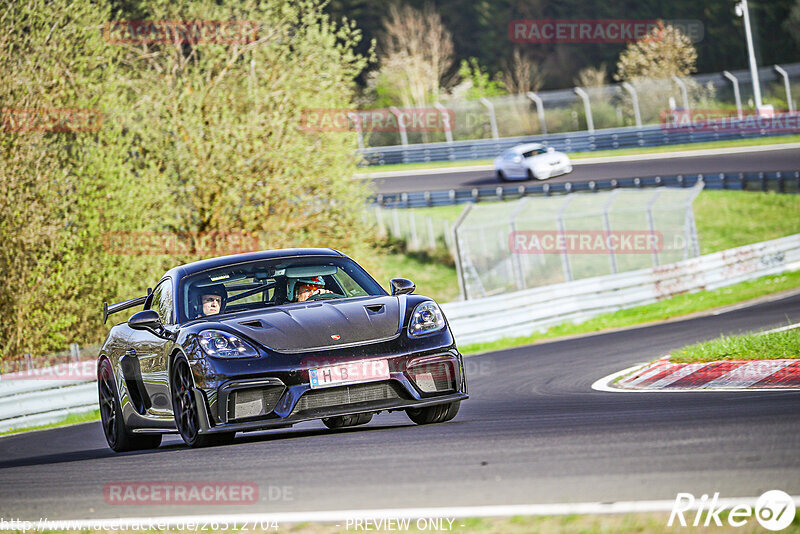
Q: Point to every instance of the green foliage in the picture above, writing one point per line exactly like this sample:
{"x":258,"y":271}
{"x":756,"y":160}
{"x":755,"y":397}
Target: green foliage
{"x":195,"y":139}
{"x":481,"y":84}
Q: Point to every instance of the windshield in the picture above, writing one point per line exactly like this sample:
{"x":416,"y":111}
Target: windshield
{"x":266,"y":283}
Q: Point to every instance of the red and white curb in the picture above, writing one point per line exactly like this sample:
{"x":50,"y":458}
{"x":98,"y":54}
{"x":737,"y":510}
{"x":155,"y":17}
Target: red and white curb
{"x":663,"y":375}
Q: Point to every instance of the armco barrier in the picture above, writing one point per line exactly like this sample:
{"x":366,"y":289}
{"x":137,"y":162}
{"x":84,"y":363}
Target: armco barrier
{"x":36,"y":400}
{"x":524,"y":312}
{"x":777,"y":181}
{"x":607,"y":139}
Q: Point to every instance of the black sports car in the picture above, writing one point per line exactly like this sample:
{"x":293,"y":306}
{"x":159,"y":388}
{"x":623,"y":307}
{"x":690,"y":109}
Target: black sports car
{"x":268,"y":339}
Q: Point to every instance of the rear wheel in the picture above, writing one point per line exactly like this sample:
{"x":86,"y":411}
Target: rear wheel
{"x":186,"y":410}
{"x":343,"y":421}
{"x":501,"y":176}
{"x":117,"y":435}
{"x":530,"y":175}
{"x":433,"y":414}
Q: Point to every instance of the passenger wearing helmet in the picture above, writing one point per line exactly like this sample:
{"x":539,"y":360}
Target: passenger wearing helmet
{"x":211,"y":300}
{"x":306,"y":287}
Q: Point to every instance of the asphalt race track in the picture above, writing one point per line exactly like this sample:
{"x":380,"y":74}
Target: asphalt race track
{"x":533,"y":432}
{"x":772,"y":160}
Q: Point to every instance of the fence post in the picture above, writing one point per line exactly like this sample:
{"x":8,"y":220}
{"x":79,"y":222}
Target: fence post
{"x":400,"y":124}
{"x":28,"y":360}
{"x":74,"y":352}
{"x":459,"y":253}
{"x":519,"y":276}
{"x":412,"y":226}
{"x":652,"y":225}
{"x":359,"y":131}
{"x":612,"y":256}
{"x":448,"y":128}
{"x":684,"y":92}
{"x":788,"y":89}
{"x":431,"y":235}
{"x":738,"y":97}
{"x":539,"y":110}
{"x":492,"y":118}
{"x":635,"y":98}
{"x":587,"y":108}
{"x":562,"y":230}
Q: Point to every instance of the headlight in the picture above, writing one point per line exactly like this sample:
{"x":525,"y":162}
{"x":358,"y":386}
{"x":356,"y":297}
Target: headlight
{"x":427,"y":318}
{"x":225,"y":345}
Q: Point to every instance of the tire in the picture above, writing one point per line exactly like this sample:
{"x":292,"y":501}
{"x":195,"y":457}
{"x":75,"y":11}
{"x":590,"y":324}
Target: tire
{"x":501,"y":176}
{"x":433,"y":414}
{"x":343,"y":421}
{"x":117,"y":435}
{"x":186,"y":410}
{"x":530,"y":175}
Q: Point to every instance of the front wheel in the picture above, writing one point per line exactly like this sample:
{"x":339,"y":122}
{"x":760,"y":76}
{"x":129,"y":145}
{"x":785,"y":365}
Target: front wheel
{"x":186,"y":410}
{"x":117,"y":435}
{"x":433,"y":414}
{"x":501,"y":176}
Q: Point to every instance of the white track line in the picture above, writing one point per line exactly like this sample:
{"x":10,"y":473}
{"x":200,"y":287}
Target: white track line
{"x":589,"y":161}
{"x":333,"y":516}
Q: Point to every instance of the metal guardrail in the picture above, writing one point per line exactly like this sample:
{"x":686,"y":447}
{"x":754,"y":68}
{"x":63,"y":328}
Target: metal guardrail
{"x":46,"y":395}
{"x":777,"y":181}
{"x":582,"y":141}
{"x":522,"y":313}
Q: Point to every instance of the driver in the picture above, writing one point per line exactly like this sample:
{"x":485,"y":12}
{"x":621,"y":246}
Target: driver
{"x":212,"y":299}
{"x":306,"y":287}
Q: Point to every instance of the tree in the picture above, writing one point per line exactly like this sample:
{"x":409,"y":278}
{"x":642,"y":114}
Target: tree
{"x":415,"y":52}
{"x":662,"y":53}
{"x":195,"y":138}
{"x":521,"y":74}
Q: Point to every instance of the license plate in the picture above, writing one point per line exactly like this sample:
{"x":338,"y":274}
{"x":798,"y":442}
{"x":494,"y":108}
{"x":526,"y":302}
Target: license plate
{"x":349,"y":373}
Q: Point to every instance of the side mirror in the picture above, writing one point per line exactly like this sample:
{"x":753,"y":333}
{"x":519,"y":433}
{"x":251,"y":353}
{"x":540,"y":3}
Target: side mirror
{"x":402,"y":286}
{"x":146,"y":320}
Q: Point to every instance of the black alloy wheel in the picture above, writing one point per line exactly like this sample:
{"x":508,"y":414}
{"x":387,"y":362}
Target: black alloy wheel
{"x":117,"y":436}
{"x":186,"y":410}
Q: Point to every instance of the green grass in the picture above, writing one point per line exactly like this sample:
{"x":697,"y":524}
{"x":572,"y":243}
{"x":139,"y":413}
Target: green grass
{"x":761,"y":141}
{"x":666,"y":309}
{"x":775,"y":345}
{"x":434,"y":279}
{"x":72,"y":419}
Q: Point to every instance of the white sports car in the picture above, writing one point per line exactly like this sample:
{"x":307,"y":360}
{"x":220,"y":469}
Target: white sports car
{"x":529,"y":161}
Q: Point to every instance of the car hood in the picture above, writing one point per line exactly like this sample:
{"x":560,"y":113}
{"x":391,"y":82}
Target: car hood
{"x":315,"y":325}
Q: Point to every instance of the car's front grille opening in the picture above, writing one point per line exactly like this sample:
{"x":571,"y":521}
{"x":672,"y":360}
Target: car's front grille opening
{"x":253,"y":402}
{"x":433,"y":377}
{"x":344,"y":395}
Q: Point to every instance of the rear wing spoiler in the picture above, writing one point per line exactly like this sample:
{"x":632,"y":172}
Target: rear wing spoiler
{"x":119,"y":306}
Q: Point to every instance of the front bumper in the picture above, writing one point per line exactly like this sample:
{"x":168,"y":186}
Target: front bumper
{"x":288,"y":397}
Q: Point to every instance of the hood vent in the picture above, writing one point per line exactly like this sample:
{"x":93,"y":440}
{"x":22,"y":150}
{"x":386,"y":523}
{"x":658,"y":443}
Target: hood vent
{"x":254,"y":323}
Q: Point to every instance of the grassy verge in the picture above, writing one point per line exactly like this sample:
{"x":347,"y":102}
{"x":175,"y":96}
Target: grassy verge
{"x":666,"y":309}
{"x":596,"y":154}
{"x":71,"y":419}
{"x":775,"y":345}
